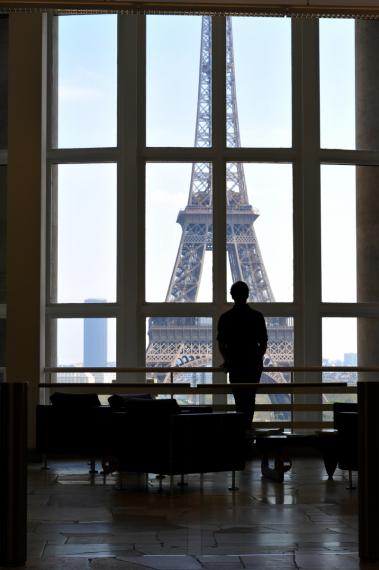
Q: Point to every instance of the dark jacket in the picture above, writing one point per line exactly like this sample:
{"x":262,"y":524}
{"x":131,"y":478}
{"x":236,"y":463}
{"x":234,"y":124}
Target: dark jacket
{"x":242,"y":336}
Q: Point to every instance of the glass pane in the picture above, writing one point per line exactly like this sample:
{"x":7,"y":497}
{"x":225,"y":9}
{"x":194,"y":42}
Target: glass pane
{"x":349,"y":205}
{"x":280,"y":352}
{"x":84,"y":222}
{"x":339,"y":348}
{"x":87,"y":81}
{"x":174,"y":66}
{"x":348,"y":90}
{"x":84,"y":342}
{"x":260,"y":229}
{"x":180,"y":342}
{"x":367,"y":206}
{"x":260,"y":85}
{"x":338,"y":231}
{"x":3,"y":231}
{"x":179,"y":233}
{"x":3,"y":81}
{"x":339,"y":344}
{"x":337,"y":83}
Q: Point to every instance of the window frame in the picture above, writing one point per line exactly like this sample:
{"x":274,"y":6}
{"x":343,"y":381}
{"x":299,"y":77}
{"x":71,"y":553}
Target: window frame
{"x":305,"y":156}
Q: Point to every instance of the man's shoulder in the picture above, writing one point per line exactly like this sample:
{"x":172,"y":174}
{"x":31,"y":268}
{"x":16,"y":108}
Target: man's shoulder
{"x":256,"y":313}
{"x":241,"y":310}
{"x":225,"y":316}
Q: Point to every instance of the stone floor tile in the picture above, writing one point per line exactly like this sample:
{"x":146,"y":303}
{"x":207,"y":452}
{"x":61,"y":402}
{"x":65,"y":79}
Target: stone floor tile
{"x":87,"y":550}
{"x":66,"y":514}
{"x":91,"y":539}
{"x":223,"y":566}
{"x":328,"y":561}
{"x":182,"y":562}
{"x":114,"y":562}
{"x":269,"y":562}
{"x":55,"y":564}
{"x":216,"y":562}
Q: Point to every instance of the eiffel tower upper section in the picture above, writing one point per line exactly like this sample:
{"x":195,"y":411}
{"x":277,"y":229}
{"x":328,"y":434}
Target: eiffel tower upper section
{"x":174,"y":340}
{"x":245,"y":258}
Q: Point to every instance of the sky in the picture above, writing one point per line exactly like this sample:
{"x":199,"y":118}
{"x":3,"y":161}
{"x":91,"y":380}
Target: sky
{"x":87,"y":193}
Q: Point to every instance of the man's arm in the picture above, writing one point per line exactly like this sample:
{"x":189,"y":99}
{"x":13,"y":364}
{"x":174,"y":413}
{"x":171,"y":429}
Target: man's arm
{"x":223,"y":349}
{"x":263,"y":337}
{"x":222,"y":346}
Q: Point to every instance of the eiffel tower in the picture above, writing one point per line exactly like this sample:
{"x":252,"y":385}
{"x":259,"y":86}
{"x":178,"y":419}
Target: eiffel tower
{"x":178,"y":341}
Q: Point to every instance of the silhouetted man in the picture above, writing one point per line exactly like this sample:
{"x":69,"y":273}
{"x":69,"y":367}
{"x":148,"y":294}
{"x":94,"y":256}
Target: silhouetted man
{"x":242,"y":340}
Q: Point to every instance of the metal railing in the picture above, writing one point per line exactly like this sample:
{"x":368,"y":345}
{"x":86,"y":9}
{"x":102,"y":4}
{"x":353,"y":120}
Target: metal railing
{"x":302,"y":414}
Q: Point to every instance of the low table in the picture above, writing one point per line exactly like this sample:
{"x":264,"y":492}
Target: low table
{"x":278,"y":447}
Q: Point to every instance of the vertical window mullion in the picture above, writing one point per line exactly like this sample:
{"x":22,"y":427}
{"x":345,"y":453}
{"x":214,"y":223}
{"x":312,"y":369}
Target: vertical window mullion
{"x":219,"y":166}
{"x":298,"y":195}
{"x":130,"y":248}
{"x":308,"y":340}
{"x":219,"y":182}
{"x":309,"y":331}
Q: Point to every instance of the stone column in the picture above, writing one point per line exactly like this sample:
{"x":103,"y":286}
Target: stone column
{"x":13,"y":476}
{"x":26,"y":206}
{"x":367,"y":179}
{"x":368,"y":442}
{"x":3,"y":172}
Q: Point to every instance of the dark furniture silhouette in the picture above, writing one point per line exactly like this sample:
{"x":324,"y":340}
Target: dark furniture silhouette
{"x":145,"y":435}
{"x":280,"y":448}
{"x":346,"y":424}
{"x":338,"y":447}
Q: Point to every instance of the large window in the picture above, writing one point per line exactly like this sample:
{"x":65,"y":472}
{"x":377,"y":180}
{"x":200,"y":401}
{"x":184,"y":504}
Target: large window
{"x":177,"y":166}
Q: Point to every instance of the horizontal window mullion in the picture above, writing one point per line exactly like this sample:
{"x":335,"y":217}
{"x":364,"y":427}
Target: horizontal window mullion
{"x":366,"y":310}
{"x":81,"y":155}
{"x":205,"y":309}
{"x":177,"y":309}
{"x":260,"y":154}
{"x":229,"y":154}
{"x":359,"y":157}
{"x":72,"y":310}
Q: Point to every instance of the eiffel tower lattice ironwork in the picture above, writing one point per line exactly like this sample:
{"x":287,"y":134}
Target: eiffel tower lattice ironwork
{"x":187,"y":341}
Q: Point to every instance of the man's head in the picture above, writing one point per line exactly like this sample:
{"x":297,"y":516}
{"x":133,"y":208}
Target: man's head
{"x":239,"y":292}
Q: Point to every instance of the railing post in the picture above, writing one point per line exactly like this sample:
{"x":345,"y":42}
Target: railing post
{"x":13,"y":431}
{"x":368,"y":469}
{"x":172,"y":381}
{"x":292,"y":400}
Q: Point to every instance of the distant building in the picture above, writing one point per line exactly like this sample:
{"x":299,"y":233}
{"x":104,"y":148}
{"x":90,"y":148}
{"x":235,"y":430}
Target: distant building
{"x":95,"y":347}
{"x":350,"y":359}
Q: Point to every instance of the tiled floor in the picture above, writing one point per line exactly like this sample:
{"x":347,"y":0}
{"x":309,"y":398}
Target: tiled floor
{"x":306,"y":523}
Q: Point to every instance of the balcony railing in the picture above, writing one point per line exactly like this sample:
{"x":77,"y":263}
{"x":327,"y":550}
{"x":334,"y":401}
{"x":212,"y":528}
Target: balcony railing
{"x":309,"y":400}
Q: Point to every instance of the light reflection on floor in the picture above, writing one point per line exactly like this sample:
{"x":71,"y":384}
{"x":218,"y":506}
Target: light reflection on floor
{"x":76,"y":521}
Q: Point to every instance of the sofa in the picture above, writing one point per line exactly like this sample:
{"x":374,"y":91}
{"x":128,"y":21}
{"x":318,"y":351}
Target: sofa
{"x":346,"y":423}
{"x":141,"y":434}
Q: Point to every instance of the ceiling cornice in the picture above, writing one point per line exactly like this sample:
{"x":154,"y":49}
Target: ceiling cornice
{"x":341,"y":8}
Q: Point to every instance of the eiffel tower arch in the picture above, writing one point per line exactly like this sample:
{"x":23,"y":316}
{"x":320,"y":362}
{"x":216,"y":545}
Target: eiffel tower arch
{"x":187,"y":341}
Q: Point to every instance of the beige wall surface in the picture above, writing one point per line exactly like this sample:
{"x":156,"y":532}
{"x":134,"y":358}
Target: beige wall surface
{"x":26,"y":187}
